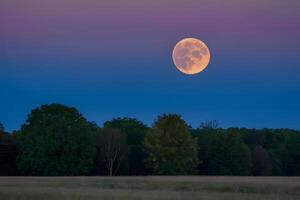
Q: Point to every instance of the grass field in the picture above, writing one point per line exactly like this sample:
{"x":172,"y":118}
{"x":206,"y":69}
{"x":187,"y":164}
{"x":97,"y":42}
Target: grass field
{"x":151,"y":188}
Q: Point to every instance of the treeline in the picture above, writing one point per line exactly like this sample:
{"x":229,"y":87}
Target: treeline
{"x":57,"y":140}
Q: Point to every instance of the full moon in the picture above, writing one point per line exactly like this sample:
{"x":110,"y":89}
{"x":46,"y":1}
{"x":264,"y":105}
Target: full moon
{"x":191,"y":56}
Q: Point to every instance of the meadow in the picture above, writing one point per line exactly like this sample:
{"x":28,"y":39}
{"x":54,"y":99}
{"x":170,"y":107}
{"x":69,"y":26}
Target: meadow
{"x":151,"y":188}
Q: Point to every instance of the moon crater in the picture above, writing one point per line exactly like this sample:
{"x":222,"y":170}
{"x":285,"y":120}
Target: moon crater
{"x":191,"y":56}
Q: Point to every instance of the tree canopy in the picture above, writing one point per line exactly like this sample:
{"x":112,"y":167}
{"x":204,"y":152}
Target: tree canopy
{"x":56,"y":140}
{"x":229,"y":155}
{"x":170,"y":147}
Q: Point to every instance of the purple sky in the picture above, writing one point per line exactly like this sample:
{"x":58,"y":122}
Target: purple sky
{"x":113,"y":58}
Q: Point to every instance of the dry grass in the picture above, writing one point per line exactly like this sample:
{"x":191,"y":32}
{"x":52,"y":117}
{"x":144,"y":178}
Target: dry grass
{"x":150,"y":188}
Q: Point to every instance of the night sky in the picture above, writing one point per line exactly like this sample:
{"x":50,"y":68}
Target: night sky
{"x":112,"y":58}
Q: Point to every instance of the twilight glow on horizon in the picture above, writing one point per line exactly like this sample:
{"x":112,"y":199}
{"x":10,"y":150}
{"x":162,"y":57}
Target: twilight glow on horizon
{"x":113,"y":58}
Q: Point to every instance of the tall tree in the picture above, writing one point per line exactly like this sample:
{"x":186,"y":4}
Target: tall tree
{"x":135,"y":131}
{"x":112,"y":147}
{"x":205,"y":136}
{"x":229,"y":155}
{"x":56,"y":140}
{"x":170,"y":147}
{"x":274,"y":142}
{"x":293,"y":155}
{"x":261,"y":162}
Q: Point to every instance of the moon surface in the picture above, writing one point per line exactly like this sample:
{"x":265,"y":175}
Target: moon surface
{"x":191,"y":56}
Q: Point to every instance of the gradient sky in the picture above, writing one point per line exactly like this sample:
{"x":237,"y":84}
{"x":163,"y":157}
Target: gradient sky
{"x":112,"y":58}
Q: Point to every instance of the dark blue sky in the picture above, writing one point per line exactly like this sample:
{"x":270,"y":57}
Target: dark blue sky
{"x":110,"y":59}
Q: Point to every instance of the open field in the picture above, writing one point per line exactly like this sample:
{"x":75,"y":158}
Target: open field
{"x":151,"y":188}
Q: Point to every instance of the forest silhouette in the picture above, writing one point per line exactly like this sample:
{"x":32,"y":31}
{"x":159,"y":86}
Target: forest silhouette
{"x":56,"y":140}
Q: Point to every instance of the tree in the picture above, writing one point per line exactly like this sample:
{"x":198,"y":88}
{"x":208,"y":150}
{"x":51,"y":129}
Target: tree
{"x":170,"y":147}
{"x":135,"y":131}
{"x":8,"y":153}
{"x":111,"y":145}
{"x":293,"y":155}
{"x":261,"y":162}
{"x":229,"y":155}
{"x":205,"y":136}
{"x":274,"y":142}
{"x":56,"y":140}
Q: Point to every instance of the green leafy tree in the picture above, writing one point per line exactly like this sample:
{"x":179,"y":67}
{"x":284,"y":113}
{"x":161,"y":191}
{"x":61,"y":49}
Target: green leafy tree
{"x":56,"y":140}
{"x":293,"y":155}
{"x":205,"y":136}
{"x":135,"y":131}
{"x":170,"y":147}
{"x":274,"y":141}
{"x":229,"y":155}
